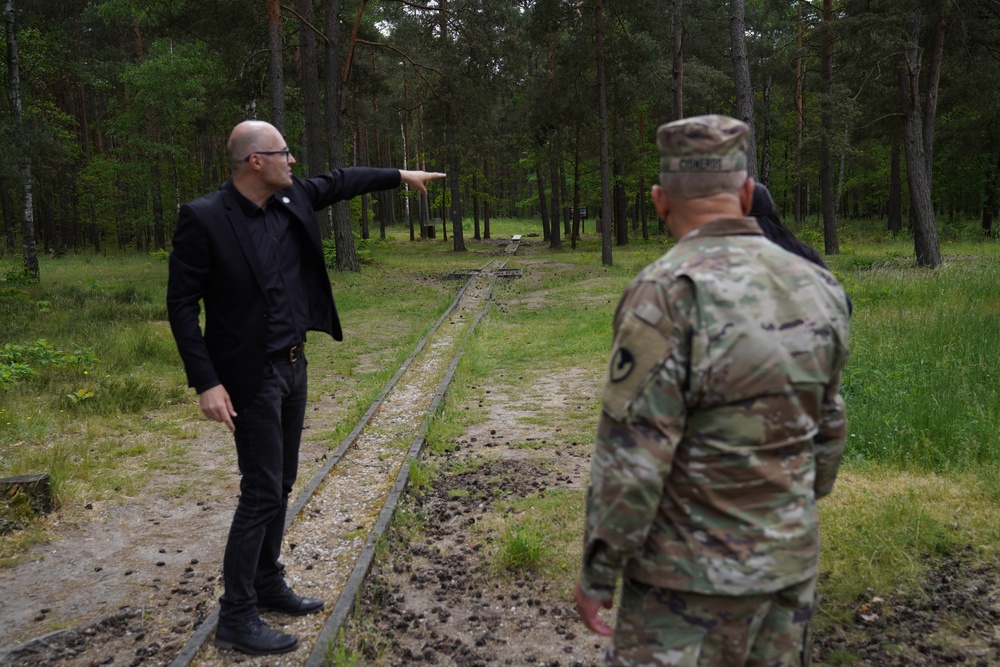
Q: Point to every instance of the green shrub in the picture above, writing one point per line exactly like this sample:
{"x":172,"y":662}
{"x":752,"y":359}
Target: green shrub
{"x":523,"y":546}
{"x":19,"y":276}
{"x":421,"y":476}
{"x":18,"y":362}
{"x":16,"y":513}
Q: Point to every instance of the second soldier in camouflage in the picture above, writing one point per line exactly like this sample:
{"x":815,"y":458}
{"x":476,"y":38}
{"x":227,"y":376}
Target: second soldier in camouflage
{"x":722,"y":424}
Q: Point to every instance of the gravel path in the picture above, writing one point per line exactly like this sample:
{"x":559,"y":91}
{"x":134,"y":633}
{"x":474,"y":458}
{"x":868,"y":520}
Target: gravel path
{"x":171,"y":585}
{"x":325,"y":541}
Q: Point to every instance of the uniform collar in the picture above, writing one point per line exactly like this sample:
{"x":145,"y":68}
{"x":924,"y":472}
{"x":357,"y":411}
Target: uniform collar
{"x":726,"y":227}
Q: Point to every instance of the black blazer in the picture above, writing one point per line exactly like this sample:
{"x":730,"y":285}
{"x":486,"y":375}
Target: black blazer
{"x":214,"y":261}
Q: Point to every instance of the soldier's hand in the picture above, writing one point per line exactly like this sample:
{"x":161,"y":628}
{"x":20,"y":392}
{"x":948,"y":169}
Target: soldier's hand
{"x":215,"y":405}
{"x":588,"y":608}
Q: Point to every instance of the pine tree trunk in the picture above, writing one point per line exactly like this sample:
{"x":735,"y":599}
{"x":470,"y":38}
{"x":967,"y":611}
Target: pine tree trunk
{"x":486,"y":218}
{"x":576,"y":189}
{"x":640,"y":195}
{"x":343,"y":237}
{"x":28,"y":248}
{"x":927,"y":245}
{"x":156,"y":192}
{"x":475,"y":207}
{"x":799,"y":119}
{"x":312,"y":105}
{"x":933,"y":87}
{"x":991,"y":199}
{"x":555,"y":240}
{"x":677,"y":45}
{"x":621,"y":223}
{"x":458,"y":240}
{"x":830,"y":241}
{"x":275,"y":68}
{"x":543,"y":208}
{"x":602,"y":113}
{"x":741,"y":77}
{"x":457,"y":236}
{"x":765,"y":158}
{"x":640,"y":210}
{"x":564,"y":199}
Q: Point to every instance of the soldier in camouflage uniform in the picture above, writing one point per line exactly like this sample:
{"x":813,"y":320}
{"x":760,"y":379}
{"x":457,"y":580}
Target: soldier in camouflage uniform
{"x":722,"y":423}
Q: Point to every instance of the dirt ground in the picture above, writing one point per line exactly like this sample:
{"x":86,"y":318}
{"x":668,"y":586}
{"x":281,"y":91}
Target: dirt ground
{"x":439,"y":601}
{"x":127,"y":584}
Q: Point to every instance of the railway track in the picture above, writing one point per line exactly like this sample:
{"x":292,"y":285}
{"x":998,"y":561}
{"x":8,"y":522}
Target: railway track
{"x":336,"y":521}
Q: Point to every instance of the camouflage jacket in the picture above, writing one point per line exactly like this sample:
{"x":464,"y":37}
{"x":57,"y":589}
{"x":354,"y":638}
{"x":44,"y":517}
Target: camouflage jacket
{"x":722,"y":419}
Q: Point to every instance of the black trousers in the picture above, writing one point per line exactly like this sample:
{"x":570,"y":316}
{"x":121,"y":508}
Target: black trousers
{"x":268,"y":433}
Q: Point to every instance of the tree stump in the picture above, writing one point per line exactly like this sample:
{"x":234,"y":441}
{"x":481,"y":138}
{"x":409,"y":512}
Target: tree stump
{"x":36,"y":488}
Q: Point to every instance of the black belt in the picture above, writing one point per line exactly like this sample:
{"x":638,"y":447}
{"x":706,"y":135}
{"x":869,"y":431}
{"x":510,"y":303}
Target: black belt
{"x":289,"y":354}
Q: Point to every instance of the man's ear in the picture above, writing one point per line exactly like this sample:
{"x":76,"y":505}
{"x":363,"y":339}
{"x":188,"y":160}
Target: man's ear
{"x":746,"y":195}
{"x":660,"y":202}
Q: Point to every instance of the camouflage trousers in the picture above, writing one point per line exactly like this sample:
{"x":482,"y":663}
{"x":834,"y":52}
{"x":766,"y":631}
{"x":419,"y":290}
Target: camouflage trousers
{"x":658,"y":627}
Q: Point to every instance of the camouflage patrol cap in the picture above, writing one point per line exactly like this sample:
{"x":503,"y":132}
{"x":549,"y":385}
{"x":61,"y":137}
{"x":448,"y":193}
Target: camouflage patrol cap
{"x":703,"y":145}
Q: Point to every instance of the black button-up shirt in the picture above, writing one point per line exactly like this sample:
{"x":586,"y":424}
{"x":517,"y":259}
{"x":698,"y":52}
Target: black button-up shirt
{"x":279,"y":245}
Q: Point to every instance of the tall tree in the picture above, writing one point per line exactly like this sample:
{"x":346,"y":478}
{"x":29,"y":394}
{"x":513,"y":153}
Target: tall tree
{"x":602,"y":112}
{"x":543,"y":210}
{"x":991,"y":198}
{"x":741,"y":78}
{"x":29,"y":252}
{"x":345,"y":255}
{"x":830,"y":242}
{"x":934,"y":86}
{"x":155,"y":180}
{"x":555,"y":240}
{"x":450,"y":140}
{"x":927,"y":245}
{"x":677,"y":61}
{"x":275,"y":64}
{"x":799,"y":112}
{"x":312,"y":105}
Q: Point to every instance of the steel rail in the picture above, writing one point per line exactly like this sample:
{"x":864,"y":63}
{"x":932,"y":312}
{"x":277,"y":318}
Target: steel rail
{"x":345,"y":601}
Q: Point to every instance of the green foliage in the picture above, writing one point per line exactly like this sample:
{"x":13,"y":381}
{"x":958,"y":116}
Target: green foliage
{"x":339,"y":655}
{"x":920,"y":395}
{"x":116,"y":395}
{"x":19,"y":275}
{"x":421,"y":475}
{"x":18,"y":362}
{"x":330,"y":253}
{"x":365,"y":249}
{"x":171,"y":89}
{"x":16,"y":513}
{"x":523,"y":546}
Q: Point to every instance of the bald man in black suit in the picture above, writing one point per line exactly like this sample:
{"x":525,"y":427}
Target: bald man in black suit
{"x":251,"y":252}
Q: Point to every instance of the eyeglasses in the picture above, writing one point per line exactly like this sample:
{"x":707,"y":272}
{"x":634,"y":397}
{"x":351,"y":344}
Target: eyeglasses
{"x":287,"y":153}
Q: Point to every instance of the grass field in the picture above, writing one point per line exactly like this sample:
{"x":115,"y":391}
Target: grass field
{"x":922,"y":471}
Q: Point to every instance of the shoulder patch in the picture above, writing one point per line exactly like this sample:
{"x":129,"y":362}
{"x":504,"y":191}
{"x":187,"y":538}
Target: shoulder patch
{"x":622,"y":365}
{"x":639,"y":349}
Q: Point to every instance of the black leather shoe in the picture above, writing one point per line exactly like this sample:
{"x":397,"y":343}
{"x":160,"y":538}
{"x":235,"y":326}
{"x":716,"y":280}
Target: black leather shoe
{"x":255,"y":638}
{"x":287,"y":602}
